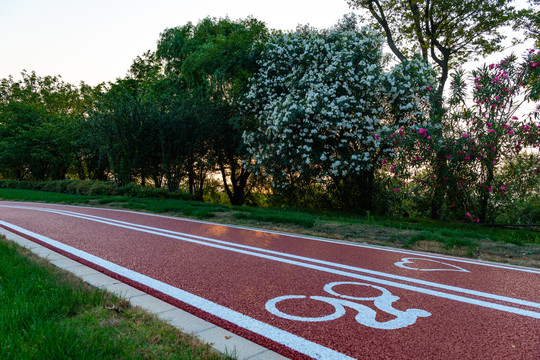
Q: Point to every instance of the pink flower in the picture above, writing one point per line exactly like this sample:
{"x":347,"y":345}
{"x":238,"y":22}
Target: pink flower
{"x":468,"y":215}
{"x":494,"y":162}
{"x":396,"y":190}
{"x":383,"y":162}
{"x":490,"y":189}
{"x":514,"y":118}
{"x":465,"y":135}
{"x":491,"y":131}
{"x":376,"y":137}
{"x":429,"y":137}
{"x":393,"y":168}
{"x":489,"y":124}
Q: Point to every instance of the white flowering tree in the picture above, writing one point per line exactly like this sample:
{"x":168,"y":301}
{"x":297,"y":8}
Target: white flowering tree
{"x":325,"y":109}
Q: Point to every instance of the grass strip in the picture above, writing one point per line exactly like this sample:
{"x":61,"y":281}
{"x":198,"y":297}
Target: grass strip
{"x":46,"y":313}
{"x":519,"y":246}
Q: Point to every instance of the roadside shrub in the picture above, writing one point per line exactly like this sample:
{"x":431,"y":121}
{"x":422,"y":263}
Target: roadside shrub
{"x":103,"y":188}
{"x":94,"y":187}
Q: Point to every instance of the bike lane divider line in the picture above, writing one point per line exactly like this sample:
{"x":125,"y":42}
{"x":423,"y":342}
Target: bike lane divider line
{"x":286,"y":234}
{"x":424,"y":283}
{"x":474,"y":301}
{"x":282,"y":337}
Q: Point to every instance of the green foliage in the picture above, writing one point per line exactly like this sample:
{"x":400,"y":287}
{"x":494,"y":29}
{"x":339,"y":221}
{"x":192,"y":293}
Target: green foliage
{"x":94,"y":188}
{"x":530,"y":21}
{"x":449,"y":32}
{"x":122,"y":120}
{"x":213,"y":61}
{"x":37,"y":127}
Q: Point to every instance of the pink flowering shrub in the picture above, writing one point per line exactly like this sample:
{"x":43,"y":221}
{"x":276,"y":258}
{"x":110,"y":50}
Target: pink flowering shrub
{"x":476,"y":140}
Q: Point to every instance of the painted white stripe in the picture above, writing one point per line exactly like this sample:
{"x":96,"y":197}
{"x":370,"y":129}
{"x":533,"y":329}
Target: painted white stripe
{"x":307,"y":237}
{"x":332,"y":271}
{"x":317,"y":261}
{"x":280,"y":336}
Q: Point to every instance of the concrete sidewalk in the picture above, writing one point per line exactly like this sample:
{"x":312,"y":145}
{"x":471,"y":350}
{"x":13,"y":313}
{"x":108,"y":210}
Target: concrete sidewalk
{"x":219,"y":338}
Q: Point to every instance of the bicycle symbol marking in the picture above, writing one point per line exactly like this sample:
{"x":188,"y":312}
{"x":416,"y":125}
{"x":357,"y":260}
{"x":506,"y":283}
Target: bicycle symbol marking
{"x":411,"y":264}
{"x":365,"y":315}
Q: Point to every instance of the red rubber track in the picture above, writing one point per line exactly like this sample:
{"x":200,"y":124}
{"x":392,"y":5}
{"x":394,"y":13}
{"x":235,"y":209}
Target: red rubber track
{"x":434,"y":306}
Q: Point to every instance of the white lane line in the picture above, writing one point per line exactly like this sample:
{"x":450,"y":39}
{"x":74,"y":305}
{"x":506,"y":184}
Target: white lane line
{"x":305,"y":237}
{"x":459,"y":298}
{"x":317,"y":261}
{"x":280,"y":336}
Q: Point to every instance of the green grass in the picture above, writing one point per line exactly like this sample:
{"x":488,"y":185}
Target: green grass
{"x":34,"y":195}
{"x":450,"y":237}
{"x":48,"y":314}
{"x":281,"y":216}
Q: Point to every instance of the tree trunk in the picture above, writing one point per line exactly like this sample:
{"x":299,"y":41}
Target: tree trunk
{"x":484,"y":199}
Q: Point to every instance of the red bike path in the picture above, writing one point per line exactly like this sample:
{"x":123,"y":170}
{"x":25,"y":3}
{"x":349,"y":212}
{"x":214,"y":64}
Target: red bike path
{"x":300,"y":296}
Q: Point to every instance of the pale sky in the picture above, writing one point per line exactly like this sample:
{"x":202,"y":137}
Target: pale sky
{"x":96,"y":40}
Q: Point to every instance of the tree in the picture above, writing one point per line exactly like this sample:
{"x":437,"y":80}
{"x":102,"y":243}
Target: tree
{"x":480,"y":139}
{"x":530,"y":21}
{"x":90,"y":162}
{"x":146,"y":72}
{"x":326,"y":111}
{"x":489,"y":133}
{"x":37,"y":127}
{"x":216,"y":57}
{"x":183,"y":131}
{"x":123,"y":121}
{"x":446,"y":33}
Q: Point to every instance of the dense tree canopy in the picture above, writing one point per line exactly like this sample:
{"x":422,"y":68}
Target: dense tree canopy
{"x":217,"y":57}
{"x":446,"y":32}
{"x":224,"y":110}
{"x":37,"y":126}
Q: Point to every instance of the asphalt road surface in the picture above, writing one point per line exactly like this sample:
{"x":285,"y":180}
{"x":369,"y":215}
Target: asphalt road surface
{"x":300,"y":296}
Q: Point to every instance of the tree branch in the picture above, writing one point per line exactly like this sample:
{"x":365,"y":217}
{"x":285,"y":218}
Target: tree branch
{"x":418,"y":28}
{"x":381,"y":19}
